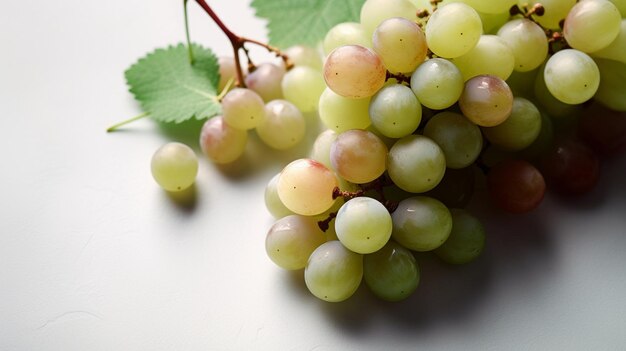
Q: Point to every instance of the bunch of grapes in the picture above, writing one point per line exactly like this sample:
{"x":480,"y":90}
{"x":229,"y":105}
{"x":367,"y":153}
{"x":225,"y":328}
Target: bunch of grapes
{"x":420,"y":97}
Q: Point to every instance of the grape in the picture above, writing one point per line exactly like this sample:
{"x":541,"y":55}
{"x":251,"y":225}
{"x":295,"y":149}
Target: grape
{"x":301,"y":55}
{"x":621,"y":6}
{"x":291,"y":240}
{"x":243,"y":109}
{"x":321,"y":147}
{"x":456,"y":188}
{"x":421,"y":223}
{"x":401,"y":44}
{"x":354,"y":71}
{"x":395,"y":111}
{"x":373,"y":12}
{"x":333,"y":273}
{"x":553,"y":106}
{"x":358,"y":156}
{"x":527,"y":41}
{"x":272,"y":201}
{"x":266,"y":80}
{"x":340,"y":114}
{"x":303,"y":86}
{"x":283,"y":127}
{"x":391,"y":273}
{"x":416,"y":163}
{"x":571,"y":76}
{"x":346,"y":33}
{"x":612,"y":90}
{"x":363,"y":225}
{"x":522,"y":84}
{"x":306,"y":187}
{"x":453,"y":30}
{"x":486,"y":100}
{"x":437,"y":83}
{"x":490,"y":56}
{"x":222,"y":143}
{"x":592,"y":25}
{"x":543,"y":142}
{"x":493,"y":21}
{"x":554,"y":11}
{"x":519,"y":130}
{"x":466,"y":241}
{"x":491,"y":6}
{"x":227,"y":71}
{"x":174,"y":166}
{"x":602,"y":129}
{"x":571,"y":168}
{"x":516,"y":186}
{"x":617,"y":49}
{"x":460,"y":139}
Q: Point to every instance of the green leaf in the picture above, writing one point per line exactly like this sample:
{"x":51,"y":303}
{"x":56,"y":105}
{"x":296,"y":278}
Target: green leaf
{"x":170,"y":89}
{"x":292,"y":22}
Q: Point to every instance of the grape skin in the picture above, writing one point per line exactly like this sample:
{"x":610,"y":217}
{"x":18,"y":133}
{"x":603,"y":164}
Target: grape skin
{"x":416,"y":164}
{"x":291,"y":240}
{"x":222,"y":143}
{"x":354,"y":71}
{"x":421,"y":223}
{"x":486,"y":100}
{"x":391,"y":273}
{"x":358,"y":156}
{"x":572,"y":76}
{"x":363,"y":225}
{"x":333,"y":273}
{"x":437,"y":83}
{"x":174,"y":166}
{"x":306,"y":187}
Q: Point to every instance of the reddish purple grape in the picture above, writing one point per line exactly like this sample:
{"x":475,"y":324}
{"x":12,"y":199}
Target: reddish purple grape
{"x":603,"y":129}
{"x":516,"y":186}
{"x":571,"y":168}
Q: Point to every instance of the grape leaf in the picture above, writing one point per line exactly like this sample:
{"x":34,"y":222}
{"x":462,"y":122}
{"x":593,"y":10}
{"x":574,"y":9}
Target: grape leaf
{"x":171,"y":89}
{"x":306,"y":22}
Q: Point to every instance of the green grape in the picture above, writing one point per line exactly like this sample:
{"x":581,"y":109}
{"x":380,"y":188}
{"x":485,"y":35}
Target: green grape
{"x":486,"y":100}
{"x":333,"y":273}
{"x":373,"y":12}
{"x":571,"y":76}
{"x":306,"y":187}
{"x":466,"y":241}
{"x":320,"y":151}
{"x":592,"y":25}
{"x":395,"y":111}
{"x":527,"y":41}
{"x":243,"y":109}
{"x":391,"y":273}
{"x":303,"y":86}
{"x":612,"y":90}
{"x":266,"y":80}
{"x":421,"y":223}
{"x":222,"y":143}
{"x":553,"y":106}
{"x":493,"y":21}
{"x":617,"y":49}
{"x":358,"y":156}
{"x":292,"y":239}
{"x":416,"y":163}
{"x":340,"y":114}
{"x":301,"y":55}
{"x":272,"y":200}
{"x":283,"y":127}
{"x":346,"y":33}
{"x":354,"y":71}
{"x":491,"y":6}
{"x":401,"y":44}
{"x":460,"y":139}
{"x":621,"y":6}
{"x":437,"y":83}
{"x":554,"y":11}
{"x":519,"y":130}
{"x":453,"y":30}
{"x":363,"y":225}
{"x":174,"y":166}
{"x":522,"y":84}
{"x":490,"y":56}
{"x":542,"y":145}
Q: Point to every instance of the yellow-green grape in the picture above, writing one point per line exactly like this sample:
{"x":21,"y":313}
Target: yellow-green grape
{"x":301,"y":55}
{"x":527,"y":41}
{"x":320,"y":151}
{"x":222,"y":143}
{"x":621,"y":6}
{"x":401,"y":44}
{"x":416,"y":163}
{"x":333,"y":273}
{"x":373,"y":12}
{"x":617,"y":49}
{"x":460,"y":139}
{"x":553,"y":106}
{"x":572,"y":76}
{"x":395,"y":111}
{"x":453,"y":30}
{"x":303,"y":86}
{"x":292,"y":239}
{"x":519,"y":130}
{"x":491,"y":6}
{"x":612,"y":90}
{"x":306,"y":187}
{"x":354,"y":71}
{"x":437,"y":83}
{"x":490,"y":56}
{"x":493,"y":21}
{"x":346,"y":33}
{"x":272,"y":200}
{"x":466,"y":241}
{"x":363,"y":225}
{"x":391,"y":273}
{"x":554,"y":11}
{"x":592,"y":25}
{"x":243,"y":108}
{"x":358,"y":156}
{"x":283,"y":127}
{"x":174,"y":166}
{"x":339,"y":113}
{"x":421,"y":223}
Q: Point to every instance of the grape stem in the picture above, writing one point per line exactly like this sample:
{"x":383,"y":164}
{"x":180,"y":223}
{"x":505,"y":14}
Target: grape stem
{"x":123,"y":123}
{"x":556,"y":40}
{"x":401,"y":78}
{"x":325,"y":224}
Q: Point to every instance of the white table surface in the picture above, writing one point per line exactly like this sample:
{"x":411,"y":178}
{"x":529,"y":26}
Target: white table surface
{"x":94,"y":256}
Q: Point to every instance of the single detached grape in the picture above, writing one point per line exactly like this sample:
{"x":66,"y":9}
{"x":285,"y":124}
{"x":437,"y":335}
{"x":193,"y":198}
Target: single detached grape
{"x":363,"y":225}
{"x":466,"y":241}
{"x":292,"y":239}
{"x":174,"y":166}
{"x":284,"y":125}
{"x":416,"y":163}
{"x":486,"y":100}
{"x":354,"y":71}
{"x":222,"y":143}
{"x":516,"y":186}
{"x":358,"y":156}
{"x":391,"y":273}
{"x":243,"y":108}
{"x":421,"y":223}
{"x":333,"y":273}
{"x":306,"y":187}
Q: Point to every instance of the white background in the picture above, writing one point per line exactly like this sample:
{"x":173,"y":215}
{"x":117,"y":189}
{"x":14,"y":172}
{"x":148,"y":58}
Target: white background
{"x":94,"y":256}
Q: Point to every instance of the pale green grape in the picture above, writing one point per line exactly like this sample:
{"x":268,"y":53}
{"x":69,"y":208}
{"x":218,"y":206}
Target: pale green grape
{"x":301,"y":55}
{"x":571,"y":76}
{"x":222,"y":143}
{"x":358,"y":156}
{"x":617,"y":49}
{"x":227,"y":71}
{"x":174,"y":166}
{"x":612,"y":90}
{"x":392,"y":272}
{"x":592,"y":25}
{"x":491,"y":6}
{"x":554,"y":11}
{"x":266,"y":80}
{"x":363,"y":225}
{"x":460,"y":139}
{"x":346,"y":33}
{"x":321,"y":147}
{"x":453,"y":30}
{"x":416,"y":163}
{"x":466,"y":241}
{"x":333,"y":273}
{"x":292,"y":239}
{"x":340,"y":113}
{"x":493,"y":21}
{"x":373,"y":12}
{"x":401,"y":44}
{"x":421,"y":223}
{"x":272,"y":201}
{"x":283,"y":127}
{"x":553,"y":106}
{"x":523,"y":83}
{"x":490,"y":56}
{"x":306,"y":187}
{"x":486,"y":100}
{"x":354,"y":71}
{"x":395,"y":111}
{"x":519,"y":130}
{"x":621,"y":6}
{"x":527,"y":41}
{"x":303,"y":86}
{"x":437,"y":83}
{"x":243,"y":109}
